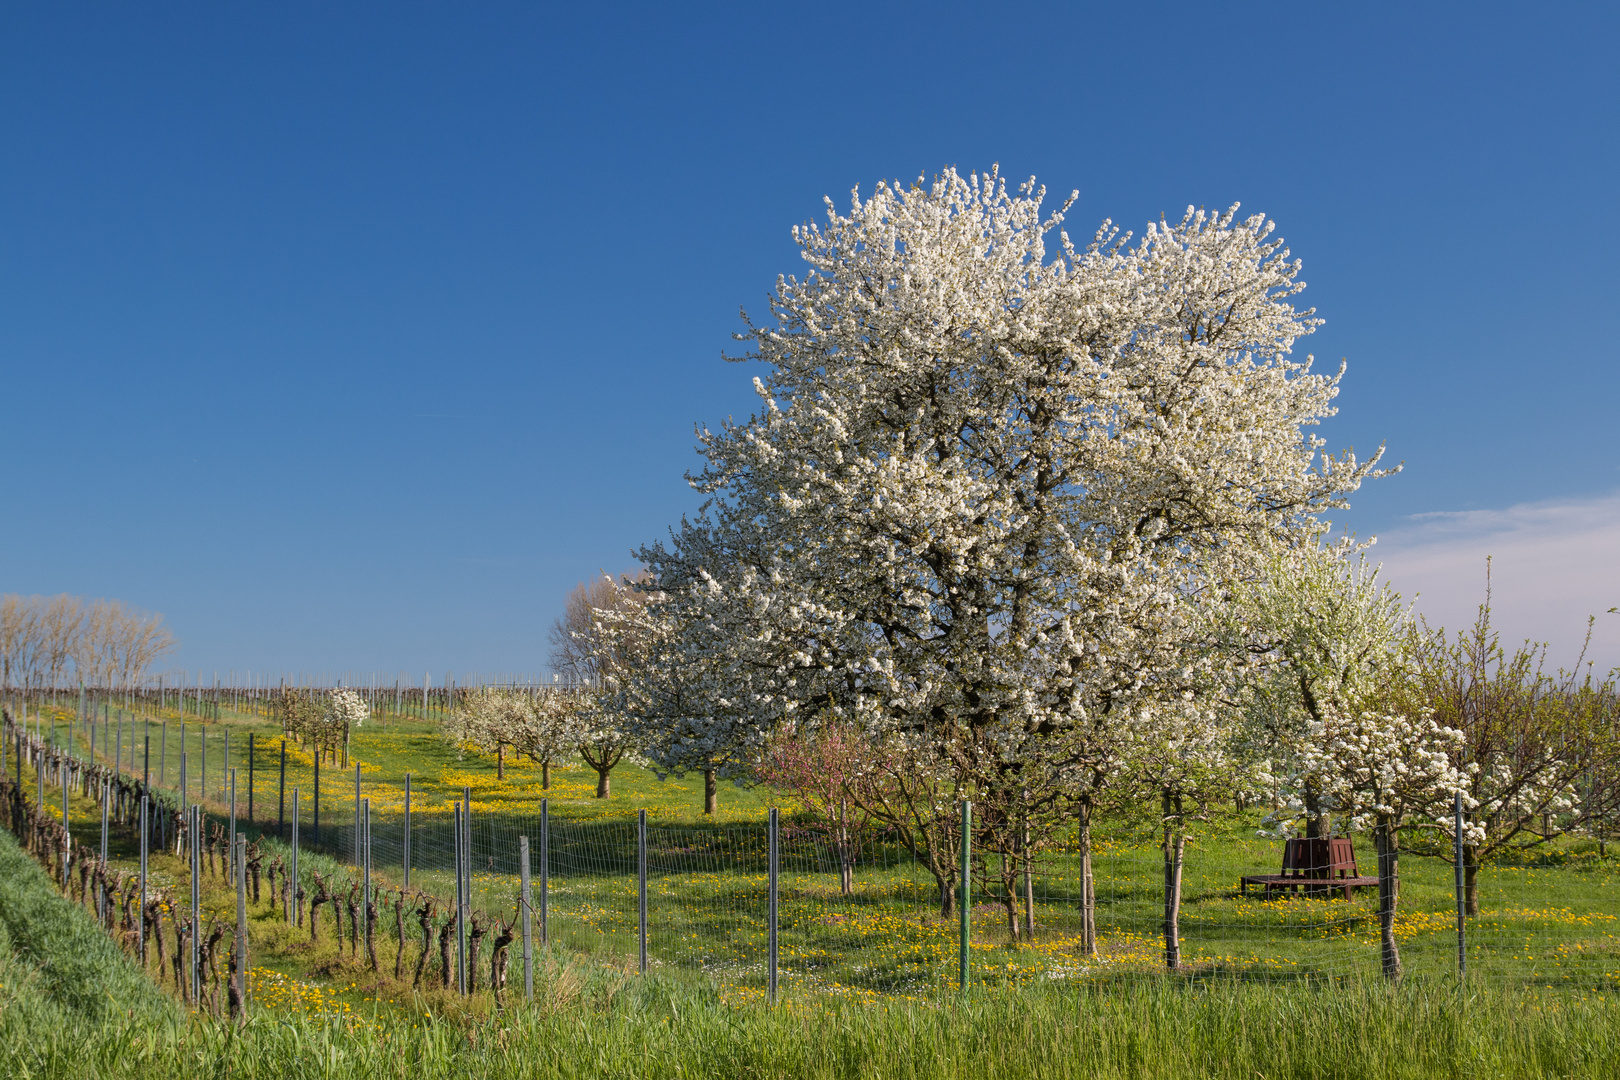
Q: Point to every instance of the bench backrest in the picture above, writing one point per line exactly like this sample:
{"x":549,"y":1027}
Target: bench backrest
{"x":1319,"y":857}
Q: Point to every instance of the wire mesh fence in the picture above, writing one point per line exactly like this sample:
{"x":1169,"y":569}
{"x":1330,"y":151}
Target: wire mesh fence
{"x":708,"y":901}
{"x":703,"y":898}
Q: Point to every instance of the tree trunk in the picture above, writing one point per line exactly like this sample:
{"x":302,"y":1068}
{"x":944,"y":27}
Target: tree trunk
{"x":233,"y":989}
{"x":322,"y":896}
{"x":1009,"y":895}
{"x":1316,"y":819}
{"x":1175,"y":843}
{"x":711,"y":799}
{"x":846,"y":859}
{"x":602,"y":787}
{"x":354,"y":923}
{"x":545,"y":775}
{"x":1389,"y":855}
{"x":1029,"y":889}
{"x":445,"y":931}
{"x":1470,"y":880}
{"x":424,"y":919}
{"x":371,"y":932}
{"x":475,"y":942}
{"x":497,"y":964}
{"x":399,"y":934}
{"x":500,"y":761}
{"x":1088,"y":886}
{"x":947,"y":898}
{"x":157,"y":936}
{"x":1026,"y":867}
{"x":182,"y":942}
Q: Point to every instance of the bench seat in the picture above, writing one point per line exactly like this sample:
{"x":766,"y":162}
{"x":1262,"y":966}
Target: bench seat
{"x":1310,"y":884}
{"x":1316,"y":864}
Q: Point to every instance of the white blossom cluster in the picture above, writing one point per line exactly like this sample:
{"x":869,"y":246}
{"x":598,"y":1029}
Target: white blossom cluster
{"x":1386,"y":769}
{"x":542,"y":726}
{"x":345,"y":709}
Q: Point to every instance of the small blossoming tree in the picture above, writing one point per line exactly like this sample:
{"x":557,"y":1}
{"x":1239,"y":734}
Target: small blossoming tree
{"x":1387,"y":772}
{"x":827,"y":769}
{"x":540,"y":725}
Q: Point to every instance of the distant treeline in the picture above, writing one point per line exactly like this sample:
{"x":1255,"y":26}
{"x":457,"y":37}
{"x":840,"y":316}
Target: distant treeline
{"x":54,"y":641}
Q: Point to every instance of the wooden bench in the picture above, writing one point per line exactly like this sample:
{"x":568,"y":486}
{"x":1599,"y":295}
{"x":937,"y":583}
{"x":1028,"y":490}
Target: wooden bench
{"x":1317,"y":864}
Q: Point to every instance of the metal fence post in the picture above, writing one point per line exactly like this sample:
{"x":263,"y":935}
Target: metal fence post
{"x":964,"y":904}
{"x":545,"y":869}
{"x":461,"y":908}
{"x":67,"y":835}
{"x":405,"y":844}
{"x":145,"y":803}
{"x":196,"y":900}
{"x":232,"y":834}
{"x":106,"y":797}
{"x":292,"y":892}
{"x":365,"y":812}
{"x":357,"y":849}
{"x":641,"y":882}
{"x":466,"y":883}
{"x":281,"y":792}
{"x":239,"y":863}
{"x":774,"y":859}
{"x":528,"y":937}
{"x":1457,"y":861}
{"x":250,"y":777}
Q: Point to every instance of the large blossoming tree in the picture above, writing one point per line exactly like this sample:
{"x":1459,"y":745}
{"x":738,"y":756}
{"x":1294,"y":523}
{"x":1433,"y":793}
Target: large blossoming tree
{"x":992,"y":473}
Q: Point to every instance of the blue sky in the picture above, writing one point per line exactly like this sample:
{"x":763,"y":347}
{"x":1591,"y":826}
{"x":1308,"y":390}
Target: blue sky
{"x":353,"y":336}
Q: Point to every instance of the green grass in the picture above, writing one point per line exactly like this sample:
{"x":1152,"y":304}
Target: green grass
{"x":59,"y":965}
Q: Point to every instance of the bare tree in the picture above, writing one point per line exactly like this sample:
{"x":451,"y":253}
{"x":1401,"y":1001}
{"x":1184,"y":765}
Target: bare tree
{"x":61,"y":621}
{"x":107,"y":643}
{"x":579,"y":649}
{"x":139,"y":639}
{"x":19,"y":638}
{"x":591,"y":658}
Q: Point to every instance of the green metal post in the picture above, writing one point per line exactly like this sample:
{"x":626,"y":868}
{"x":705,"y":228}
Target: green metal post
{"x":964,"y":897}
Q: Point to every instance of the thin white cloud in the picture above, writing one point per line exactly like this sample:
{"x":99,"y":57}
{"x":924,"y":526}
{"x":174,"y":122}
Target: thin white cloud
{"x":1553,"y":564}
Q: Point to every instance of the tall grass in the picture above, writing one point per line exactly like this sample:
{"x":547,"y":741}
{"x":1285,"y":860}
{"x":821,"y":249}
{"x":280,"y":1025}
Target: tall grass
{"x":657,"y":1030}
{"x":56,"y":964}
